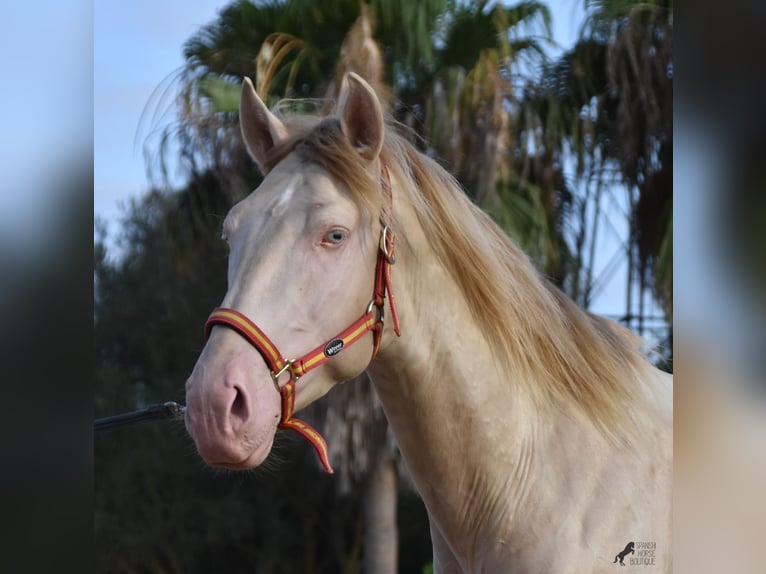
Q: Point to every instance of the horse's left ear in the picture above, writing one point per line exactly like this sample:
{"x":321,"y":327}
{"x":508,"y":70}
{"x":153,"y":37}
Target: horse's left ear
{"x":361,"y":116}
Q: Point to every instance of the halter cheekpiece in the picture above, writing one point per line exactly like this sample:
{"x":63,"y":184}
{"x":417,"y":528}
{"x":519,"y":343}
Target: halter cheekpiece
{"x":371,"y":320}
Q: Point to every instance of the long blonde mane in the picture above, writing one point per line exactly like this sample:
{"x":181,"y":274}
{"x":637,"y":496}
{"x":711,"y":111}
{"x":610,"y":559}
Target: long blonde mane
{"x":564,"y":355}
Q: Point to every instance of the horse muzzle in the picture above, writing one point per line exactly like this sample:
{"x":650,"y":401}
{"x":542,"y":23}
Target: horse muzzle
{"x":232,"y":406}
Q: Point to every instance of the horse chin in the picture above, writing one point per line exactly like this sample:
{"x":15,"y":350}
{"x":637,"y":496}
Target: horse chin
{"x":250,"y":461}
{"x":242,"y":453}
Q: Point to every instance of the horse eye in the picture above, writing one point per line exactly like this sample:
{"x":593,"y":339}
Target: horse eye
{"x":335,"y":237}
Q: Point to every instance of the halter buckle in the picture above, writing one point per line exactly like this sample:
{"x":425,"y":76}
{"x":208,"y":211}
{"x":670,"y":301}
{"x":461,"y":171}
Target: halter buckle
{"x":386,"y":244}
{"x":288,"y":366}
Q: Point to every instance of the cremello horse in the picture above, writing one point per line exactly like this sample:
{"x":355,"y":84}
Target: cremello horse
{"x":538,"y":436}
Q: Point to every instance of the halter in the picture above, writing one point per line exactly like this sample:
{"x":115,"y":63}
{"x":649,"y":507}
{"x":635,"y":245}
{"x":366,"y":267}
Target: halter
{"x":371,"y":320}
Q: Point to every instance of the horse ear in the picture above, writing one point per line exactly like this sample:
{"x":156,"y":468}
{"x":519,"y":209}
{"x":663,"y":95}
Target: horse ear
{"x":261,"y":129}
{"x":361,"y":116}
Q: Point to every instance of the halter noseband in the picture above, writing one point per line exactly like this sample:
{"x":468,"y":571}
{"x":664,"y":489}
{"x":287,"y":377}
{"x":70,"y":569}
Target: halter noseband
{"x":371,"y":320}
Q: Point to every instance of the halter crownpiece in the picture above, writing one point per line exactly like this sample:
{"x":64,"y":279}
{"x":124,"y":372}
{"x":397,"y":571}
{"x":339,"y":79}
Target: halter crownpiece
{"x":371,"y":320}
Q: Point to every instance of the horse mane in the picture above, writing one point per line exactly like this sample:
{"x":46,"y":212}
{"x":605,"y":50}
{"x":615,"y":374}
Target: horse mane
{"x":560,"y":353}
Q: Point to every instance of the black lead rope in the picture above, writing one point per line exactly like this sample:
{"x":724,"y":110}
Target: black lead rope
{"x":168,"y":410}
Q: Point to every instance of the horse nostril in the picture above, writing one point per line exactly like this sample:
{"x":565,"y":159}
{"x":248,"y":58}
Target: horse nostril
{"x":239,"y":406}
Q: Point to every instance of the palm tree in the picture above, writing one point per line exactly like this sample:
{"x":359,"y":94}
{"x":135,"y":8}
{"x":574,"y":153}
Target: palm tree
{"x":296,"y":43}
{"x":471,"y":119}
{"x":607,"y":105}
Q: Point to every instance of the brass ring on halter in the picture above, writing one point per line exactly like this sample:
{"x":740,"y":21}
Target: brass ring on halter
{"x":387,"y":245}
{"x":381,"y":310}
{"x":288,"y":366}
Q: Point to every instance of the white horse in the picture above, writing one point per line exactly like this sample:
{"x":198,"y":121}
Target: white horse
{"x":538,"y":435}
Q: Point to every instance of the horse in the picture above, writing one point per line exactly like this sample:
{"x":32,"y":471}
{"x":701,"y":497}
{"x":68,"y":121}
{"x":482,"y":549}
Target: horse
{"x":629,"y":549}
{"x":538,"y":435}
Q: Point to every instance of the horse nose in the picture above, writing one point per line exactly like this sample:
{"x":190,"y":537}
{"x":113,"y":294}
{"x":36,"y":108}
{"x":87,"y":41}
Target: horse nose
{"x":232,"y":410}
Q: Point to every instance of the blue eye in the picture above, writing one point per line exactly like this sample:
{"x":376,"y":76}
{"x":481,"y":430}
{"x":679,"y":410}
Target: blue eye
{"x":335,"y":237}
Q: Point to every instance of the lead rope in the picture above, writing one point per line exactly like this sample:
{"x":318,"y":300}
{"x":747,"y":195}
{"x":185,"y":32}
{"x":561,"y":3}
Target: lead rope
{"x":298,"y":367}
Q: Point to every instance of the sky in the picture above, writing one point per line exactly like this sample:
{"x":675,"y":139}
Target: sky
{"x":138,"y":45}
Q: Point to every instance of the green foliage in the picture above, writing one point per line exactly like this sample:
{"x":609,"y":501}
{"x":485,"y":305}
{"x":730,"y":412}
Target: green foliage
{"x":223,"y":94}
{"x":525,"y":210}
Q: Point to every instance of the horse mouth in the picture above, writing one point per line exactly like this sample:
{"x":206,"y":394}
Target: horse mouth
{"x":242,"y":449}
{"x":248,"y":463}
{"x":244,"y":457}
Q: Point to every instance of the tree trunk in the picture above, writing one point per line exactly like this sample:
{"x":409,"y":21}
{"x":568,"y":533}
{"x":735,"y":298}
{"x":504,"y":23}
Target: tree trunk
{"x":381,"y":541}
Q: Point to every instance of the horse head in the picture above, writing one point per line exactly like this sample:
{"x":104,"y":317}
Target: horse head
{"x":304,"y":259}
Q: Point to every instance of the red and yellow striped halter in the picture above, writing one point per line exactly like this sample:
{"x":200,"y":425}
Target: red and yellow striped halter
{"x":371,"y":320}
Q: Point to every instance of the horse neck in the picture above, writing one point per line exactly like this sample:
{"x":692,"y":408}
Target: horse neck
{"x":493,"y":464}
{"x":484,"y":460}
{"x":471,"y":437}
{"x":451,"y":409}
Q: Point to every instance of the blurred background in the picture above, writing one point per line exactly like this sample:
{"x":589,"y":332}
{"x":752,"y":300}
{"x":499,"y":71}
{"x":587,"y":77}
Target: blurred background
{"x":558,"y":117}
